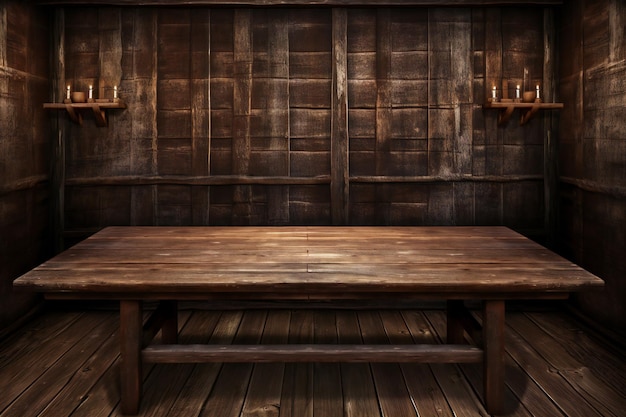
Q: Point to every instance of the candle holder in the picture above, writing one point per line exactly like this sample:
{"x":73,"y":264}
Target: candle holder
{"x":494,"y":95}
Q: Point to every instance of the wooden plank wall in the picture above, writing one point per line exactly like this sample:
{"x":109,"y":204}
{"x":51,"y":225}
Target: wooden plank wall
{"x":592,"y":150}
{"x":302,"y":116}
{"x":25,"y":232}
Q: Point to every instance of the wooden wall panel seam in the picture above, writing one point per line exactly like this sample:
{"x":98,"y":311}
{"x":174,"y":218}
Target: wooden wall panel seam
{"x":384,"y":115}
{"x":58,"y":132}
{"x":3,"y":36}
{"x":339,"y":129}
{"x":242,"y":63}
{"x":550,"y":147}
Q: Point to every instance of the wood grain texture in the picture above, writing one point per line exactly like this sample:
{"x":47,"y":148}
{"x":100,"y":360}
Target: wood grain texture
{"x":307,"y":2}
{"x":591,"y":157}
{"x":339,"y":138}
{"x":131,"y":317}
{"x":242,"y":195}
{"x":556,"y":351}
{"x":26,"y":192}
{"x":309,"y":261}
{"x":189,"y":109}
{"x":310,"y":353}
{"x":493,"y":361}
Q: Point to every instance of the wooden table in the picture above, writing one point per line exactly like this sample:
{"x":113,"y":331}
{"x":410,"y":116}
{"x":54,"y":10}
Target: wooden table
{"x":170,"y":264}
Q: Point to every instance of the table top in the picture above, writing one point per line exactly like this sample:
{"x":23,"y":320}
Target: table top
{"x":308,"y":262}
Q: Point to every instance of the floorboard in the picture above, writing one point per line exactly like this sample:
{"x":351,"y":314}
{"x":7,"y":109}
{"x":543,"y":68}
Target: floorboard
{"x":66,"y":363}
{"x":461,"y":395}
{"x":264,"y":391}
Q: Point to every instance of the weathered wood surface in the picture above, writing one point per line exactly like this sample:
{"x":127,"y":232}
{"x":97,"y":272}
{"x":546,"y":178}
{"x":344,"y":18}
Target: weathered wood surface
{"x":131,"y":375}
{"x":25,"y":162}
{"x":339,"y":138}
{"x":237,"y":116}
{"x":592,"y":149}
{"x":567,"y":369}
{"x":283,"y":3}
{"x":408,"y":163}
{"x":308,"y":261}
{"x":310,"y":353}
{"x":322,"y":263}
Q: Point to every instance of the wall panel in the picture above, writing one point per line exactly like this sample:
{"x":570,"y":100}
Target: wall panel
{"x":25,"y":153}
{"x":592,"y":151}
{"x":232,"y":115}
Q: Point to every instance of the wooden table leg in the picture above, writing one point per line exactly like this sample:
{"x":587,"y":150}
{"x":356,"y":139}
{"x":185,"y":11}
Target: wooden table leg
{"x":493,"y":364}
{"x":454,"y":322}
{"x":169,"y":330}
{"x":131,"y":330}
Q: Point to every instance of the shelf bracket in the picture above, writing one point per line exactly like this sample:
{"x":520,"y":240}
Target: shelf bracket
{"x":526,"y":116}
{"x":74,"y":115}
{"x":505,"y":115}
{"x":100,"y":115}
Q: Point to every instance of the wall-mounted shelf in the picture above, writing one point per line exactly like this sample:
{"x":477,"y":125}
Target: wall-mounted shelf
{"x":528,"y":109}
{"x":97,"y":107}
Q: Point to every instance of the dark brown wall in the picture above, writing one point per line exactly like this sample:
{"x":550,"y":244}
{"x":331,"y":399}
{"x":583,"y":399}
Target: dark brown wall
{"x":232,"y":117}
{"x":592,"y":153}
{"x":235,"y":117}
{"x":24,"y":151}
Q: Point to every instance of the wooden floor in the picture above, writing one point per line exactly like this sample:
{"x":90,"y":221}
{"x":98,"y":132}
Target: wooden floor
{"x":65,"y":363}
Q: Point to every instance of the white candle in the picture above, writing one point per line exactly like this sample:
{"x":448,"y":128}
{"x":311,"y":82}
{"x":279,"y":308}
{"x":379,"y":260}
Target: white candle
{"x":493,"y":93}
{"x":68,"y":92}
{"x":91,"y":91}
{"x":114,"y":91}
{"x":538,"y":91}
{"x":517,"y":91}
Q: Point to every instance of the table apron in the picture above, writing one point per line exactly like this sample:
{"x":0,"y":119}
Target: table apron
{"x":370,"y":296}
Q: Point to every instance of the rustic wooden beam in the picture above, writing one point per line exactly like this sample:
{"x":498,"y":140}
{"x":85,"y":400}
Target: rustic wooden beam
{"x":550,"y":130}
{"x":196,"y":180}
{"x":445,"y":178}
{"x":493,"y":364}
{"x":277,"y":111}
{"x":311,"y":353}
{"x":200,"y":53}
{"x":58,"y":131}
{"x":242,"y":57}
{"x":3,"y":38}
{"x":24,"y":184}
{"x":130,"y":355}
{"x":383,"y":110}
{"x":283,"y":3}
{"x":142,"y":80}
{"x":339,"y":183}
{"x":133,"y":180}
